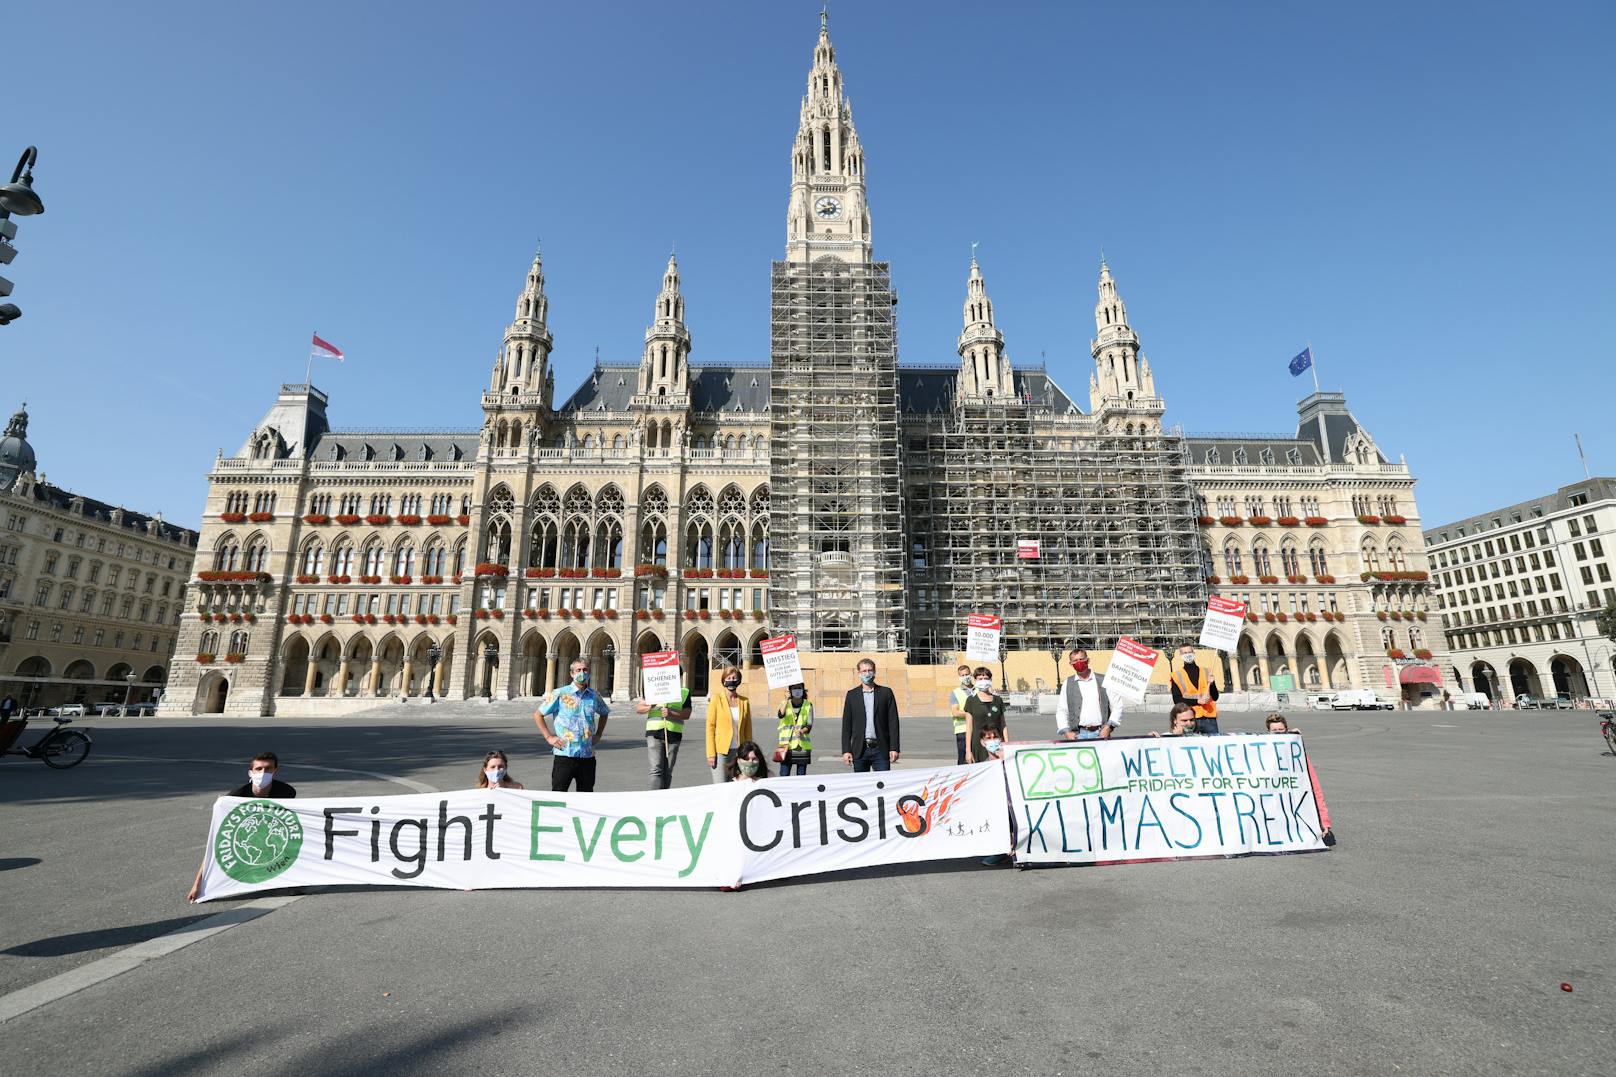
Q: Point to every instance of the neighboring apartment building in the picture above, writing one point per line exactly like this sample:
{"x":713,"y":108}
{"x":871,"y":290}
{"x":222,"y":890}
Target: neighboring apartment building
{"x":1520,"y":589}
{"x":90,"y":593}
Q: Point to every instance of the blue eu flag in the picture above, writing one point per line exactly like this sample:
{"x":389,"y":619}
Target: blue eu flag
{"x":1302,"y":362}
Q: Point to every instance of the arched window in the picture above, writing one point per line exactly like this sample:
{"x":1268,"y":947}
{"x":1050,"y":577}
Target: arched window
{"x":404,"y":560}
{"x":227,"y":555}
{"x":1371,"y":557}
{"x":342,"y":559}
{"x":609,"y":544}
{"x":1288,"y":561}
{"x":1231,"y":560}
{"x":313,"y":558}
{"x":374,"y":557}
{"x":432,"y":560}
{"x":460,"y":557}
{"x":257,"y":554}
{"x":1259,"y":560}
{"x":1317,"y":559}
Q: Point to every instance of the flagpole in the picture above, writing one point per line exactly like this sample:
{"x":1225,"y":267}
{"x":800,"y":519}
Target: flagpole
{"x":1313,"y":366}
{"x":308,"y":369}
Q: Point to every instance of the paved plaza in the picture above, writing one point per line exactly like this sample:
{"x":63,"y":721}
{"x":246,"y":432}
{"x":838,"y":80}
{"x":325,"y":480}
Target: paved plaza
{"x":1473,"y":877}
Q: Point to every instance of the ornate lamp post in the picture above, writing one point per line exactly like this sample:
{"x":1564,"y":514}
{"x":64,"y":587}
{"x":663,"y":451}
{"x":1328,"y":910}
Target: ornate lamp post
{"x":129,"y":694}
{"x":491,"y":660}
{"x":433,"y":653}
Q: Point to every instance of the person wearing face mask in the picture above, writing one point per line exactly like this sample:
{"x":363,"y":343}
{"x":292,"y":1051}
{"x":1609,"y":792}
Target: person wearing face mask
{"x":1195,"y":686}
{"x":985,"y":717}
{"x":580,"y":721}
{"x":796,"y":716}
{"x":747,"y":765}
{"x":869,"y":723}
{"x":495,"y":772}
{"x":1084,"y":710}
{"x":262,"y":783}
{"x":956,"y":710}
{"x":729,"y":724}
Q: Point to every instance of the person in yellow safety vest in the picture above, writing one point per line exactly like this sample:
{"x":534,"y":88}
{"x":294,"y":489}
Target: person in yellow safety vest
{"x":956,"y":708}
{"x":664,"y":730}
{"x":1195,"y":686}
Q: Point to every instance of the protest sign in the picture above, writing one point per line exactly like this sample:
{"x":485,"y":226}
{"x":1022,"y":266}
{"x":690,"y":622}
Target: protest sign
{"x":1027,"y":549}
{"x":982,"y":634}
{"x":660,"y":670}
{"x":780,"y":662}
{"x":1129,"y":672}
{"x":1224,"y":619}
{"x":707,"y":836}
{"x":1143,"y":799}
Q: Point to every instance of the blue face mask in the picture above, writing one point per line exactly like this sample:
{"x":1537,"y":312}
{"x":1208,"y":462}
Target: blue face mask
{"x":581,"y":679}
{"x":867,"y":676}
{"x":992,"y":745}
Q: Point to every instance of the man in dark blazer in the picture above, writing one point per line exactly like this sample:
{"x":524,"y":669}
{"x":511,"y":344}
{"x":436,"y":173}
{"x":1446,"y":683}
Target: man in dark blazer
{"x":869,"y":723}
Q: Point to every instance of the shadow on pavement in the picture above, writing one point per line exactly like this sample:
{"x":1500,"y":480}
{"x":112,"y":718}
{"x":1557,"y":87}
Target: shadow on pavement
{"x":14,"y":862}
{"x":81,"y":941}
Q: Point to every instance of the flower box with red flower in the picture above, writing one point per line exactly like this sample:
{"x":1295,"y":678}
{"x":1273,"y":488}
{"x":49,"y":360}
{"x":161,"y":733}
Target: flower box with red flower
{"x":378,"y":519}
{"x":1394,"y":518}
{"x":317,"y":519}
{"x":1260,"y":521}
{"x":325,"y":618}
{"x":611,"y":615}
{"x":1397,"y":615}
{"x":463,"y":520}
{"x":401,"y":580}
{"x":564,"y":613}
{"x":1421,"y":652}
{"x":437,"y":519}
{"x":235,"y":618}
{"x":1239,"y":579}
{"x":1310,"y":618}
{"x":706,"y":615}
{"x":346,"y":519}
{"x":1214,"y":580}
{"x":420,"y":618}
{"x":481,"y":615}
{"x":599,"y":615}
{"x":388,"y":618}
{"x":1421,"y":615}
{"x":530,"y":613}
{"x":1231,"y":521}
{"x":358,"y":618}
{"x":235,"y":658}
{"x":1295,"y":579}
{"x":453,"y":619}
{"x":1287,"y":521}
{"x":233,"y":517}
{"x":1281,"y":617}
{"x":1394,"y":652}
{"x":650,"y":570}
{"x":1316,"y":521}
{"x":203,"y":658}
{"x":409,"y":519}
{"x":657,"y":615}
{"x":723,"y":615}
{"x":760,"y":573}
{"x":250,"y":618}
{"x":370,"y":618}
{"x":1268,"y":617}
{"x":642,"y":615}
{"x":1324,"y":579}
{"x":1267,"y":579}
{"x":499,"y":614}
{"x":1205,"y":521}
{"x":606,"y":573}
{"x":308,"y":579}
{"x":261,"y":517}
{"x":370,"y":579}
{"x":690,"y":615}
{"x":1381,"y":615}
{"x":1368,"y":518}
{"x":757,"y":615}
{"x":488,"y":568}
{"x":431,"y":618}
{"x":543,"y":613}
{"x":690,"y":573}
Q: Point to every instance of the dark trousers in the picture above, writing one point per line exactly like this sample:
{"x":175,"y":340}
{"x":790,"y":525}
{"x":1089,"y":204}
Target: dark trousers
{"x":871,"y":758}
{"x":566,"y":770}
{"x":959,"y":747}
{"x":1206,"y":726}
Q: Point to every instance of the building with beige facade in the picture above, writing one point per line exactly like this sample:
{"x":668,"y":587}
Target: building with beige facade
{"x":864,"y":506}
{"x":90,"y":592}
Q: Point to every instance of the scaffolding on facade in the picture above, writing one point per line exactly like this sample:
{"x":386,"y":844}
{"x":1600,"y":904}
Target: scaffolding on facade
{"x":1119,"y":553}
{"x":836,"y":573}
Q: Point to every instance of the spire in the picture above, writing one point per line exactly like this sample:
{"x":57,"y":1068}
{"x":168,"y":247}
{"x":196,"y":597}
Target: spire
{"x":18,"y":427}
{"x":525,"y":350}
{"x":1122,"y":381}
{"x":984,"y":368}
{"x":828,"y":213}
{"x":664,"y":366}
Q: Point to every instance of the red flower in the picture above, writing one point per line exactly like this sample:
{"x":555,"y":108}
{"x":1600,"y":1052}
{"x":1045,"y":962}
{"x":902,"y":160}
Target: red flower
{"x":437,"y":519}
{"x":203,"y":658}
{"x":1230,"y":521}
{"x":409,"y":519}
{"x":261,"y":517}
{"x":1205,"y":521}
{"x":1316,"y":521}
{"x":657,"y":614}
{"x":1368,"y":518}
{"x":463,"y":520}
{"x":690,"y":615}
{"x":233,"y":517}
{"x":452,"y":619}
{"x":488,"y":568}
{"x":377,"y":519}
{"x":317,"y":518}
{"x":1393,"y":518}
{"x":347,"y":519}
{"x":325,"y":618}
{"x":1288,"y":521}
{"x":760,"y":573}
{"x":1261,"y":521}
{"x":499,"y":615}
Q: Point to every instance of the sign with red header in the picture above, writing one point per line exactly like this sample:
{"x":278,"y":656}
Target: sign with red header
{"x":780,"y":662}
{"x":982,"y":634}
{"x":660,"y":669}
{"x":1129,"y":672}
{"x":1224,"y":618}
{"x":1027,"y":549}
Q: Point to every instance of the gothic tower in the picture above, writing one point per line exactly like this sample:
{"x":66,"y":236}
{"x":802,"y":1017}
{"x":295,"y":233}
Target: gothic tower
{"x":836,"y":543}
{"x":984,"y":368}
{"x":1121,"y":390}
{"x":523,"y":385}
{"x":664,"y":366}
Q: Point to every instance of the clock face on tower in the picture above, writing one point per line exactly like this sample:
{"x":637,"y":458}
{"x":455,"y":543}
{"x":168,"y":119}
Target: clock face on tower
{"x":828,"y":208}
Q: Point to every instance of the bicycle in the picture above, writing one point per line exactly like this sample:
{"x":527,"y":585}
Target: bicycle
{"x":60,"y":748}
{"x":1607,"y":726}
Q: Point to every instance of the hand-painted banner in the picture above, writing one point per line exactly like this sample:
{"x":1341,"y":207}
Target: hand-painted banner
{"x":1144,"y":799}
{"x":703,"y":836}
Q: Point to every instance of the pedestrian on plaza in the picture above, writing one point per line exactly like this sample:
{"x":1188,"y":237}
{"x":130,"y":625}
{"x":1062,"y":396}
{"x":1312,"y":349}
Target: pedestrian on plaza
{"x":8,"y":707}
{"x":869,"y":723}
{"x":1195,"y":686}
{"x":495,"y":773}
{"x":262,"y":783}
{"x":580,"y":721}
{"x":1084,"y":709}
{"x":956,"y":710}
{"x":729,"y":724}
{"x":664,"y":731}
{"x":796,"y":718}
{"x":747,"y":764}
{"x":1276,"y":724}
{"x":1180,"y":721}
{"x":985,"y":719}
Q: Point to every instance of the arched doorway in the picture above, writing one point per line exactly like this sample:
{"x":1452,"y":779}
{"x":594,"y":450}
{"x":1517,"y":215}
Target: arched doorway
{"x":390,"y":673}
{"x":566,"y":649}
{"x":531,"y":680}
{"x":359,"y":666}
{"x":1485,"y":680}
{"x":727,"y":651}
{"x":80,"y":670}
{"x":485,"y":663}
{"x":602,"y":663}
{"x":295,"y":666}
{"x":754,"y":650}
{"x":328,"y":656}
{"x":212,"y":693}
{"x":1307,"y":662}
{"x":1523,"y":680}
{"x":420,"y":665}
{"x":1250,"y":667}
{"x":1278,"y":661}
{"x":1335,"y":660}
{"x":1568,"y":678}
{"x":698,"y":663}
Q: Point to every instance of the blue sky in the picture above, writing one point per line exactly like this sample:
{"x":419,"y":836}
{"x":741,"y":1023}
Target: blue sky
{"x":1426,"y":198}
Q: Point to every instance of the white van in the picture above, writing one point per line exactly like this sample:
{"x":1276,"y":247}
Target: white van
{"x":1359,"y":699}
{"x":1473,"y":701}
{"x":1321,"y":703}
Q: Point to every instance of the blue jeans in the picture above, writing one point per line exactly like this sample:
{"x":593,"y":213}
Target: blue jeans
{"x":959,"y":745}
{"x":871,"y":758}
{"x":1207,"y":727}
{"x":1088,"y":734}
{"x":785,"y":768}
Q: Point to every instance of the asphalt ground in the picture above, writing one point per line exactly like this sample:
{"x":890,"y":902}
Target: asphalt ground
{"x":1473,"y":877}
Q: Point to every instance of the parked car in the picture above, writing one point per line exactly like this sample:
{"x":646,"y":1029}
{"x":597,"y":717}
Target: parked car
{"x":1524,"y":702}
{"x":141,"y":710}
{"x":105,"y":710}
{"x":1473,"y":701}
{"x":67,"y":710}
{"x":1321,"y":703}
{"x":1564,"y":702}
{"x":1360,"y":699}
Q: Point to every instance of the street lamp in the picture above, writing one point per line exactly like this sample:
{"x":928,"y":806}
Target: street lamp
{"x":491,"y":659}
{"x":433,"y":653}
{"x":18,"y":196}
{"x":609,"y":655}
{"x":128,"y":696}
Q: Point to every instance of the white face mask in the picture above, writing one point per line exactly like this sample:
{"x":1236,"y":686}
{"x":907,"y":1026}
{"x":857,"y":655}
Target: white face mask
{"x":984,"y":685}
{"x":260,"y":778}
{"x":495,"y":775}
{"x":992,"y":745}
{"x":796,"y":694}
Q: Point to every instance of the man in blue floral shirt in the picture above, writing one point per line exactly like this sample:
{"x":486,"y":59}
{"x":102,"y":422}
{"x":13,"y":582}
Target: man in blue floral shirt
{"x":576,"y":709}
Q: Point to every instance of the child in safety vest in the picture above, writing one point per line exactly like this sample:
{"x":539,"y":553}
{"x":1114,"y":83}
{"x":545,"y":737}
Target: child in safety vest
{"x":796,"y":717}
{"x":957,"y":700}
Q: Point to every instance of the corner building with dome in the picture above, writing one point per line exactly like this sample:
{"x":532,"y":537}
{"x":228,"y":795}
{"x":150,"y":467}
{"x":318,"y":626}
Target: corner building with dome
{"x":864,"y":506}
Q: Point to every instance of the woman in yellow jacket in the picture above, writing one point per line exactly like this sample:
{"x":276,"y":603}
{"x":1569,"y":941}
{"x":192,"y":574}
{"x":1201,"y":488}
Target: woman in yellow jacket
{"x":729,"y":723}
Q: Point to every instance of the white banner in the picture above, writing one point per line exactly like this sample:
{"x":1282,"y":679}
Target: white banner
{"x":660,"y":670}
{"x":1128,"y":675}
{"x":982,"y":634}
{"x":1153,"y":798}
{"x":780,"y":662}
{"x":1224,"y":619}
{"x":705,"y":836}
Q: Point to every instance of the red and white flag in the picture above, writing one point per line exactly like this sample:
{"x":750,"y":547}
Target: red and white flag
{"x":322,"y":350}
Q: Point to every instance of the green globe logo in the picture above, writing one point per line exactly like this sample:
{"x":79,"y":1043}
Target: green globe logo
{"x":258,"y":841}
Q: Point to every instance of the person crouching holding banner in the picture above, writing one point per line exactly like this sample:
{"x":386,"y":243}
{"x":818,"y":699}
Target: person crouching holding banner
{"x":985,"y":718}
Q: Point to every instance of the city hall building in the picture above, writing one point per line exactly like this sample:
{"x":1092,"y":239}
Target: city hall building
{"x":862,"y":505}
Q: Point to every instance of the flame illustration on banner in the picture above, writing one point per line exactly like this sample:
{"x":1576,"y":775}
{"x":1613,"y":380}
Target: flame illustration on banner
{"x":936,"y":811}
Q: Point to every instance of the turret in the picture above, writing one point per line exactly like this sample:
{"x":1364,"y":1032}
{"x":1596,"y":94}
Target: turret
{"x":984,"y":367}
{"x":664,"y":366}
{"x":1122,"y":383}
{"x":524,"y":358}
